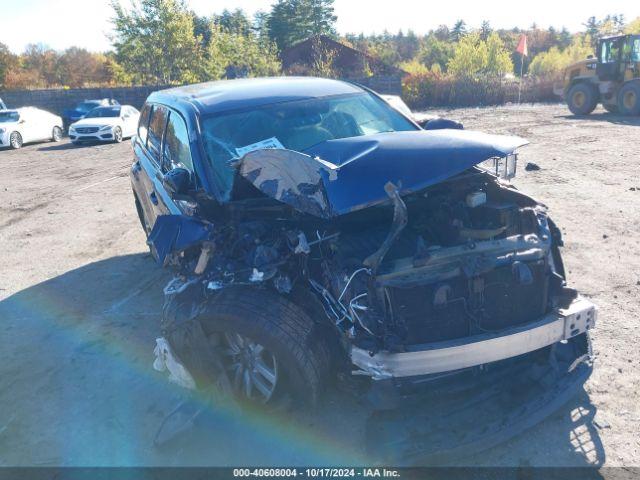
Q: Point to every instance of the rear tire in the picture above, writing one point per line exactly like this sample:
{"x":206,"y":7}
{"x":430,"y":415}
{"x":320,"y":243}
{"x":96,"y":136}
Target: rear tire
{"x":629,"y":99}
{"x":56,"y":134}
{"x":15,"y":140}
{"x":582,"y":99}
{"x":285,"y":332}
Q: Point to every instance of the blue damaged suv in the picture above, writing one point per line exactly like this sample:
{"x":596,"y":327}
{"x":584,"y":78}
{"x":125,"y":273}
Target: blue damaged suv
{"x":317,"y":235}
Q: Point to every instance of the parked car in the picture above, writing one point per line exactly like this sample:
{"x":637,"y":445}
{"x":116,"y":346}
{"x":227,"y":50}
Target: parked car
{"x":105,"y":124}
{"x":28,"y":124}
{"x":81,"y":109}
{"x":320,"y":235}
{"x":3,"y":106}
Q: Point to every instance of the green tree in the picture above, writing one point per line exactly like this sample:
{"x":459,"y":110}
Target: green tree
{"x":234,"y":21}
{"x":435,"y":52}
{"x":498,"y":58}
{"x":470,"y":57}
{"x":485,"y":30}
{"x":554,"y":61}
{"x":232,"y":55}
{"x":292,"y":21}
{"x":458,"y":31}
{"x":154,"y":40}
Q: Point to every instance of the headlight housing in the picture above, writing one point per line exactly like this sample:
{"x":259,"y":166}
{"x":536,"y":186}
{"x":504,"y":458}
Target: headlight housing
{"x":1,"y":131}
{"x":504,"y":167}
{"x":105,"y":127}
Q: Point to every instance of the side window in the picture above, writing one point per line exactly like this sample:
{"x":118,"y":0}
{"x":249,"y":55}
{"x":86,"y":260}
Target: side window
{"x":176,"y":145}
{"x":143,"y":124}
{"x":156,"y":130}
{"x":635,"y":52}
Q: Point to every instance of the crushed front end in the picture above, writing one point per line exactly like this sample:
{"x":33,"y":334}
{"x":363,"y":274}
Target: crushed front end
{"x":446,"y":295}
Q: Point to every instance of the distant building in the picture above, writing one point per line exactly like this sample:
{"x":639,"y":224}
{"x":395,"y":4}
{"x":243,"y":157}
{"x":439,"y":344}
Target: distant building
{"x":325,"y":57}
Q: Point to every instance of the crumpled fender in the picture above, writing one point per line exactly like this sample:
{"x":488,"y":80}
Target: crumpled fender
{"x":176,"y":233}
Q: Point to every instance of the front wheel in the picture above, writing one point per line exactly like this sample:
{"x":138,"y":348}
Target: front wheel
{"x":56,"y":134}
{"x":15,"y":140}
{"x":117,"y":135}
{"x":582,"y":99}
{"x":270,"y":348}
{"x":629,"y":99}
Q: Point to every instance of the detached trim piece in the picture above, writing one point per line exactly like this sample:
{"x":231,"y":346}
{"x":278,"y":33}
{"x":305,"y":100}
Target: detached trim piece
{"x":469,"y":352}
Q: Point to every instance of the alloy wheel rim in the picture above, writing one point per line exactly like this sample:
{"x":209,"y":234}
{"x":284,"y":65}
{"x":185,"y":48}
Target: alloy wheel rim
{"x":15,"y":140}
{"x":57,"y":134}
{"x":252,"y":369}
{"x":118,"y":135}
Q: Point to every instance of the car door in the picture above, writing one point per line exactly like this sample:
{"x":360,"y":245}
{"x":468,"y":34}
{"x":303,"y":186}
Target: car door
{"x":34,"y":123}
{"x":26,"y":126}
{"x":147,"y":170}
{"x":176,"y":152}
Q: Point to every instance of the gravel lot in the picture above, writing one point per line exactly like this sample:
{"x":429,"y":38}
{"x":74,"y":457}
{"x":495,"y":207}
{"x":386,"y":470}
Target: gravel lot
{"x":80,"y":299}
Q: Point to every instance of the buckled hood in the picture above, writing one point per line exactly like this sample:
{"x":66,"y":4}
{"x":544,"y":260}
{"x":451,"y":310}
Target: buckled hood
{"x":336,"y":177}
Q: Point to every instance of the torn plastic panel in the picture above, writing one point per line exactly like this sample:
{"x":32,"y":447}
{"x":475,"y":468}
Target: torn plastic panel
{"x":341,"y":176}
{"x":172,"y":234}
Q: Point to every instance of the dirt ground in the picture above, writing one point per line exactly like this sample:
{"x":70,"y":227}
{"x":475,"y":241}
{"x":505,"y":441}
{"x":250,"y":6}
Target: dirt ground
{"x":80,"y":300}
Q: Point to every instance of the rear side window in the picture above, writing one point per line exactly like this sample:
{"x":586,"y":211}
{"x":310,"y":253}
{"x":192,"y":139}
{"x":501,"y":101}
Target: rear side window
{"x":156,"y":130}
{"x":176,"y":144}
{"x":143,"y":124}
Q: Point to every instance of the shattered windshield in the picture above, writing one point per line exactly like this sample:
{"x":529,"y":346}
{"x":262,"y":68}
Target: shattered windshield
{"x":297,"y":125}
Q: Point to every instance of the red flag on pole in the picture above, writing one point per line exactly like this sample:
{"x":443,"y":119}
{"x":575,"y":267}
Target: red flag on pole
{"x":522,"y":46}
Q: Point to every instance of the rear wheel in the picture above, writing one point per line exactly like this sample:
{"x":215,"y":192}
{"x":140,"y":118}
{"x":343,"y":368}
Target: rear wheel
{"x":629,"y":99}
{"x":56,"y":134}
{"x":117,"y":134}
{"x":15,"y":140}
{"x":582,"y":99}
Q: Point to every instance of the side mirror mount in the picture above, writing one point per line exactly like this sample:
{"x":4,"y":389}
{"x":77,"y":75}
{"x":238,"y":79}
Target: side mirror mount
{"x":177,"y":182}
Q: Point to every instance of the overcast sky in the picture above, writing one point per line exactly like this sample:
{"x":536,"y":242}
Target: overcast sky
{"x":63,"y":23}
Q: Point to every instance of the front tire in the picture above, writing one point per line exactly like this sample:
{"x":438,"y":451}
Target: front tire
{"x":15,"y":140}
{"x":117,"y":135}
{"x":629,"y":99}
{"x":244,"y":322}
{"x":582,"y":99}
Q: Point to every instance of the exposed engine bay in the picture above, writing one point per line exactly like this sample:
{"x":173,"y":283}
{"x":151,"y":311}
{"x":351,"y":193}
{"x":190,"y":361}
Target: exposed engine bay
{"x":466,"y":257}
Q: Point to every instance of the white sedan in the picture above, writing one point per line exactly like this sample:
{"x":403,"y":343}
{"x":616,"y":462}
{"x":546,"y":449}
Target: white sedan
{"x":28,"y":124}
{"x":106,"y":124}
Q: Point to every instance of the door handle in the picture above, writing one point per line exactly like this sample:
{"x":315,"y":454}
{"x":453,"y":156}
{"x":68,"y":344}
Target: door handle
{"x":153,"y":197}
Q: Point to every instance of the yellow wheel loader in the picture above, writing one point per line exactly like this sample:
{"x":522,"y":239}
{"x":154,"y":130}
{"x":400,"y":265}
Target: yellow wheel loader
{"x":612,"y":78}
